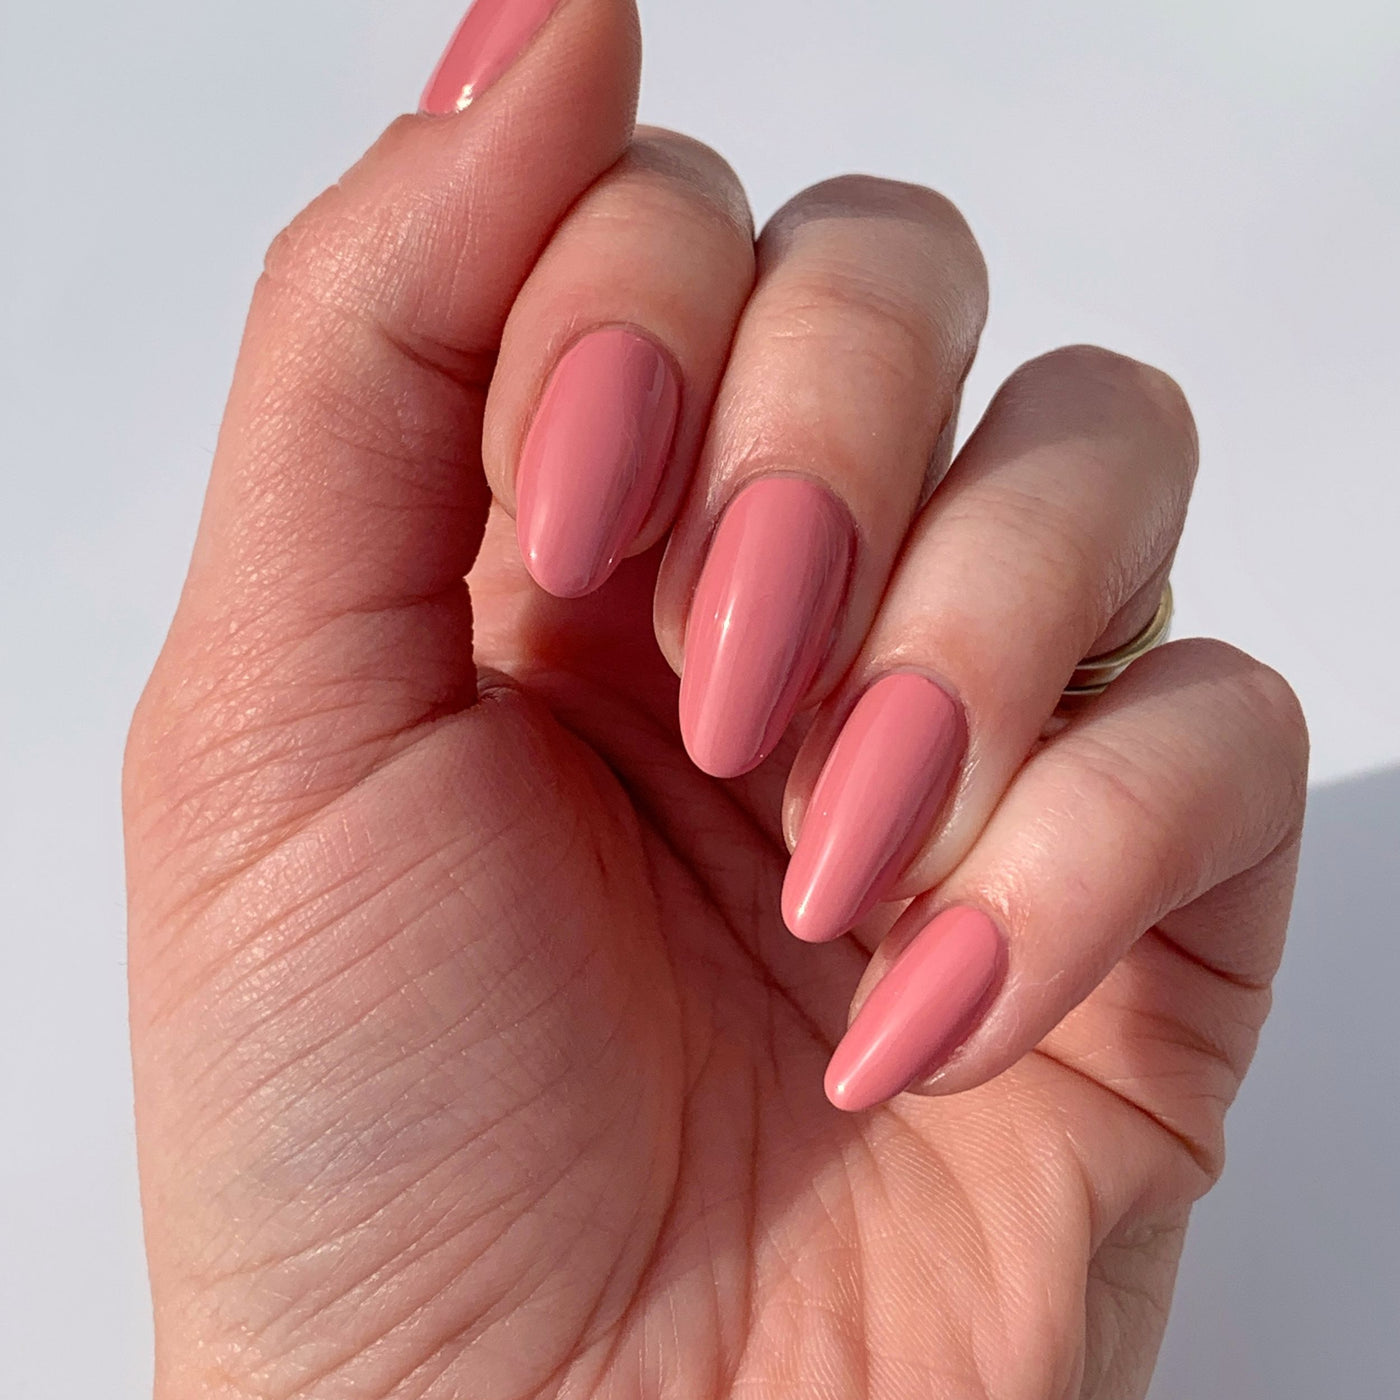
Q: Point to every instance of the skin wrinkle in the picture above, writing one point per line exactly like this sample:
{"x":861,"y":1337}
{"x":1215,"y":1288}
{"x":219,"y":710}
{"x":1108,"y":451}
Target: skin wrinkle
{"x":209,"y":983}
{"x":605,"y":1285}
{"x":1201,"y":1040}
{"x":1108,"y":1384}
{"x":321,"y":1304}
{"x":357,"y":1225}
{"x":395,"y":747}
{"x":263,"y":1270}
{"x":357,"y":1086}
{"x":1244,"y":984}
{"x":1113,"y":770}
{"x":390,"y":742}
{"x":476,"y":851}
{"x":461,"y":1335}
{"x":435,"y":478}
{"x":659,"y":199}
{"x":669,"y":1221}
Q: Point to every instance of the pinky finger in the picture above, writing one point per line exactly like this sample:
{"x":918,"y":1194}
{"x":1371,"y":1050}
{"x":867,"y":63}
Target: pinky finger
{"x":1188,"y":773}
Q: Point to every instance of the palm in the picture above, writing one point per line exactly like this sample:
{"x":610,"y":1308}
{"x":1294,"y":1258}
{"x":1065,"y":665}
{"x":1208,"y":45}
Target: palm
{"x":550,"y":1065}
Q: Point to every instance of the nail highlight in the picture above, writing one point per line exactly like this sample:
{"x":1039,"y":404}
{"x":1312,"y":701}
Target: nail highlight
{"x":593,"y":459}
{"x":886,"y":779}
{"x":486,"y":43}
{"x":762,"y":620}
{"x":933,"y":997}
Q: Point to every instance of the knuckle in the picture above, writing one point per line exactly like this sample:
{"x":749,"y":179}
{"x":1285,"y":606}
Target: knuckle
{"x":862,"y":195}
{"x":873,"y":197}
{"x":680,"y":169}
{"x":1115,"y":388}
{"x":360,"y":249}
{"x":685,"y":156}
{"x":1279,"y":713}
{"x":1267,"y":710}
{"x":652,"y":222}
{"x":846,"y":316}
{"x":346,"y":251}
{"x":321,"y":255}
{"x":1263,"y":690}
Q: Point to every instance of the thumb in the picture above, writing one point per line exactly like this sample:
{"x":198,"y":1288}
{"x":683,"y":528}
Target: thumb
{"x":325,"y":610}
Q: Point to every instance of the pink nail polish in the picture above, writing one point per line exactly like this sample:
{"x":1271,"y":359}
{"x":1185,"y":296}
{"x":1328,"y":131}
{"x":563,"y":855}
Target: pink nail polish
{"x":883,"y":784}
{"x":928,"y":1003}
{"x":593,"y":459}
{"x":485,"y":45}
{"x":762,"y":620}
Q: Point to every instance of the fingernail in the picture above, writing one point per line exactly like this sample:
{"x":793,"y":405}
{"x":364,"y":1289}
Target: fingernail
{"x":593,"y":459}
{"x":883,"y":784}
{"x":485,"y":45}
{"x":932,"y":998}
{"x":762,"y":620}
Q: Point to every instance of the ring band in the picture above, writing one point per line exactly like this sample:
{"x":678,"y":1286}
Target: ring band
{"x":1095,"y":674}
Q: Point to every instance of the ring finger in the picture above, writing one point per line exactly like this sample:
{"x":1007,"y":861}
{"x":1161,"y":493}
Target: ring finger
{"x":1048,"y":541}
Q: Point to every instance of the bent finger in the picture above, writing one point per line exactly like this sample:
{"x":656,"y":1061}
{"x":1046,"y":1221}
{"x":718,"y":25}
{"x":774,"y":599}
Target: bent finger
{"x":1188,"y":772}
{"x":1052,"y":532}
{"x":611,"y":357}
{"x":841,"y":389}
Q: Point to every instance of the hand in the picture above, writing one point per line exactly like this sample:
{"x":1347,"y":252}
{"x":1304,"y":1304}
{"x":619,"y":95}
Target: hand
{"x":473,"y":1058}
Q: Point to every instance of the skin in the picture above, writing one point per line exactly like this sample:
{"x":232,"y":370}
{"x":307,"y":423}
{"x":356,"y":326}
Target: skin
{"x":472,"y":1057}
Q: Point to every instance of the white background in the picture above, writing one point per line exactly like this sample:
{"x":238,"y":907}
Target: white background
{"x":1213,"y":185}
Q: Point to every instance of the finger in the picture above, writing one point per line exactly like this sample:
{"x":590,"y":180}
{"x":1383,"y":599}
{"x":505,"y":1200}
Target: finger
{"x":839,"y":393}
{"x":1049,"y":540}
{"x":1187,"y":773}
{"x":325,"y":611}
{"x":611,"y":357}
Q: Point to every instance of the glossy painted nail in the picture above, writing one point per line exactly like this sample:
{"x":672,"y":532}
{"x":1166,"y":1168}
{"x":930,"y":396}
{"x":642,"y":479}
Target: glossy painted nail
{"x":886,"y":779}
{"x":485,"y":45}
{"x":762,"y":620}
{"x":593,"y":459}
{"x":932,"y":998}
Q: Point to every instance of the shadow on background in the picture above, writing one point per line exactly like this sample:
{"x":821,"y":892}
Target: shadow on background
{"x":1290,"y":1286}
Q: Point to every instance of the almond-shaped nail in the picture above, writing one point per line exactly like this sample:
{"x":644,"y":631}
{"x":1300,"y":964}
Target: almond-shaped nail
{"x":886,"y":779}
{"x":594,"y":458}
{"x":762,"y":619}
{"x":486,"y":43}
{"x":933,"y":997}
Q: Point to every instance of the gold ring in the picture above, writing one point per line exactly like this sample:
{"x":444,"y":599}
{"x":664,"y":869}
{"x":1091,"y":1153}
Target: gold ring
{"x":1095,"y":674}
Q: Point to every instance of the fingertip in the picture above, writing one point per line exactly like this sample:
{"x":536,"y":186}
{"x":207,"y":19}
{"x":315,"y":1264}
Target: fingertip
{"x":561,"y":573}
{"x":710,"y":750}
{"x":930,"y":1000}
{"x":841,"y":1095}
{"x":853,"y":1083}
{"x":805,"y":919}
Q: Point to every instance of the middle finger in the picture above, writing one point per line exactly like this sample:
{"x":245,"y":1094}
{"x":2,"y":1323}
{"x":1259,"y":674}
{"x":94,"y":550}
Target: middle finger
{"x":838,"y":400}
